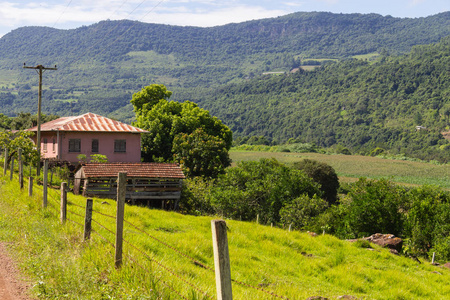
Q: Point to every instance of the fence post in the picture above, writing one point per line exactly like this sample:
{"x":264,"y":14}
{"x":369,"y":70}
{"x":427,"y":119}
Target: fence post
{"x":30,"y":186}
{"x":44,"y":184}
{"x":221,"y":260}
{"x":121,"y":193}
{"x":20,"y":168}
{"x":88,"y":219}
{"x":63,"y":202}
{"x":12,"y":168}
{"x":5,"y":163}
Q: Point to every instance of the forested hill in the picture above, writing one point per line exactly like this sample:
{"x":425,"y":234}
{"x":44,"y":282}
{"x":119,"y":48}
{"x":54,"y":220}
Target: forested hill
{"x":350,"y":102}
{"x":353,"y":103}
{"x":102,"y":65}
{"x":316,"y":34}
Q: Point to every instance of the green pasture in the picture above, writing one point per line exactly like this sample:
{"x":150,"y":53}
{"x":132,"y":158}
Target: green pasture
{"x":352,"y":167}
{"x":295,"y":265}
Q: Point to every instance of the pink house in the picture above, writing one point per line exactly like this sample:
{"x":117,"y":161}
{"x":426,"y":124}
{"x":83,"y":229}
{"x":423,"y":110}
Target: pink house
{"x":65,"y":138}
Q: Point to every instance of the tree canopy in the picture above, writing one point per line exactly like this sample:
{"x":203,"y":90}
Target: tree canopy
{"x":181,"y":132}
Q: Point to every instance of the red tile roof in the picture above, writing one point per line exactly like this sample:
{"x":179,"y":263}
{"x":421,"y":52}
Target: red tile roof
{"x":87,"y":122}
{"x":146,"y":170}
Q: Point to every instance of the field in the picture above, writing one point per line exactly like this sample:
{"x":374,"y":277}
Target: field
{"x":351,"y":167}
{"x":169,"y":256}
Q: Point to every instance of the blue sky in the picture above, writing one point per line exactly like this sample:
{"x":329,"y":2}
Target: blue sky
{"x":65,"y":14}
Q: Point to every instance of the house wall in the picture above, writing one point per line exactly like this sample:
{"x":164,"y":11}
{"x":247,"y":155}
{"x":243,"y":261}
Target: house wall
{"x":105,"y":146}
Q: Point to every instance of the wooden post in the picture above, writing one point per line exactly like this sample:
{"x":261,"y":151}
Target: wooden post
{"x":63,"y":202}
{"x":434,"y":255}
{"x":290,"y":226}
{"x":121,"y":193}
{"x":257,"y":219}
{"x":88,"y":219}
{"x":221,"y":260}
{"x":5,"y":163}
{"x":30,"y":186}
{"x":12,"y":168}
{"x":44,"y":184}
{"x":20,"y":168}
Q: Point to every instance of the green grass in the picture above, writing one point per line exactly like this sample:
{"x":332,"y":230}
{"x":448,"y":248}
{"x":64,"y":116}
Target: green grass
{"x":61,"y":265}
{"x":352,"y":167}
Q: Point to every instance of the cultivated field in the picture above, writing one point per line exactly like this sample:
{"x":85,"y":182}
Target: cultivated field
{"x":351,"y":167}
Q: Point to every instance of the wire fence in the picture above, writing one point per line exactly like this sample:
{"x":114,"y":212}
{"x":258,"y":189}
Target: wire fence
{"x":54,"y":206}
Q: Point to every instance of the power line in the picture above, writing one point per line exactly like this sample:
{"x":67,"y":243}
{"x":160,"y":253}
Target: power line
{"x":63,"y":12}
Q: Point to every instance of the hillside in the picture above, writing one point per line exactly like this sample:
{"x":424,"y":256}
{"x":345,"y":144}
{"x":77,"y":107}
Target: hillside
{"x":169,"y":256}
{"x":100,"y":66}
{"x":354,"y":103}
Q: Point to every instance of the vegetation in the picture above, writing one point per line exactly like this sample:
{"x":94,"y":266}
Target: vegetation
{"x":350,"y":168}
{"x":352,"y":104}
{"x":357,"y":104}
{"x":60,"y":264}
{"x":182,"y":132}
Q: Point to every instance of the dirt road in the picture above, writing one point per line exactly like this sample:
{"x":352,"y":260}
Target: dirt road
{"x":11,"y":287}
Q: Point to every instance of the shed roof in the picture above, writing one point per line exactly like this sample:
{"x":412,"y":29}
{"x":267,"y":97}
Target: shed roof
{"x":87,"y":122}
{"x":145,"y":170}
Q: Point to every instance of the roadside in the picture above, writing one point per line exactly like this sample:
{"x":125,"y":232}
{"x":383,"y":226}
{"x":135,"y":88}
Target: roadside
{"x":12,"y":286}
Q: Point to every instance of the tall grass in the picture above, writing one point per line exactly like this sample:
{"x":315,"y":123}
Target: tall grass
{"x":292,"y":264}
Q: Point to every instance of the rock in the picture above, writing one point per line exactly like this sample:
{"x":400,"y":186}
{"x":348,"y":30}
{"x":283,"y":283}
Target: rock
{"x":386,"y":240}
{"x":312,"y":233}
{"x":317,"y":298}
{"x":447,"y":265}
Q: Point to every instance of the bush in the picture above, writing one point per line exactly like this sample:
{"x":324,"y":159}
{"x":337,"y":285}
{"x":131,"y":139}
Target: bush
{"x":374,"y":206}
{"x":259,"y":188}
{"x":302,"y":211}
{"x":323,"y":174}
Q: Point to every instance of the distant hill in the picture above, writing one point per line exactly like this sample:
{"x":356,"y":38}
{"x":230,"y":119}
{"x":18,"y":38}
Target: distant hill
{"x":398,"y":103}
{"x":102,"y":65}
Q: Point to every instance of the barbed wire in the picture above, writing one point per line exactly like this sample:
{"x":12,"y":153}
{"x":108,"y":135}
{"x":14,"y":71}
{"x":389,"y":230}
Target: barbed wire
{"x":167,"y":269}
{"x":96,"y":211}
{"x":196,"y":262}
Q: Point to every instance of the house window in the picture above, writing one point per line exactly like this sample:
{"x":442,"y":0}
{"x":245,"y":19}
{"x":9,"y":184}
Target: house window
{"x":45,"y":145}
{"x":94,"y":148}
{"x":54,"y":145}
{"x":74,"y":145}
{"x":120,"y":145}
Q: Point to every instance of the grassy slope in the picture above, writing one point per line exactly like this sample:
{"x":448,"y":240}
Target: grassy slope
{"x":292,"y":264}
{"x":351,"y":167}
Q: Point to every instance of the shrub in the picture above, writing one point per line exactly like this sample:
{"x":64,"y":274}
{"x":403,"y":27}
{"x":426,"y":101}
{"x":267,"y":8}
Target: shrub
{"x":323,"y":174}
{"x":374,"y":206}
{"x":302,"y":211}
{"x":259,"y":188}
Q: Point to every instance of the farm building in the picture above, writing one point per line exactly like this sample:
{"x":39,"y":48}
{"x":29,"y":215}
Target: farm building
{"x":64,"y":139}
{"x":151,"y":184}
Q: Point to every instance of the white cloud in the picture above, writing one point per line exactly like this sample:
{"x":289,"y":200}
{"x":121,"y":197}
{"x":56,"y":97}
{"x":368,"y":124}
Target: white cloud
{"x":213,"y":18}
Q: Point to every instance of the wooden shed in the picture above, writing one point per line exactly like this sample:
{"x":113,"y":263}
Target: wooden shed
{"x":152,"y":184}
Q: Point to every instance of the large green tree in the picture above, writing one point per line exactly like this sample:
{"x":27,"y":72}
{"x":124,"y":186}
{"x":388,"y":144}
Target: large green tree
{"x":177,"y":130}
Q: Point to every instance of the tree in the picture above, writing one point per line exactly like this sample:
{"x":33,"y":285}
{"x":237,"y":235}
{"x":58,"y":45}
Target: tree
{"x":20,"y":139}
{"x":259,"y":188}
{"x":149,"y":96}
{"x":200,"y":154}
{"x":323,"y":174}
{"x":166,"y":120}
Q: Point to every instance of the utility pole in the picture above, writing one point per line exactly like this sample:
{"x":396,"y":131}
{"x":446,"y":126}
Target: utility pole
{"x":39,"y":69}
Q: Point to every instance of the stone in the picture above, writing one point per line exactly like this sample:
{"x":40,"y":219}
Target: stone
{"x":386,"y":240}
{"x":447,"y":265}
{"x":317,"y":298}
